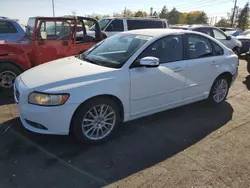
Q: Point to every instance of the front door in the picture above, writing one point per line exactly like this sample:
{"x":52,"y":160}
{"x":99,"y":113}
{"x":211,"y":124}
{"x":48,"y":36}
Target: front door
{"x":57,"y":45}
{"x":158,"y":87}
{"x":221,"y":36}
{"x":203,"y":57}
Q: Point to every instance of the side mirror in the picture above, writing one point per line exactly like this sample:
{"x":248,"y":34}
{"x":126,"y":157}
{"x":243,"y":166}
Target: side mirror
{"x":229,"y":37}
{"x":150,"y":62}
{"x":44,"y":35}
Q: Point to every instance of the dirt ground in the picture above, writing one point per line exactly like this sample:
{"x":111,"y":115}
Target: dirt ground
{"x":194,"y":146}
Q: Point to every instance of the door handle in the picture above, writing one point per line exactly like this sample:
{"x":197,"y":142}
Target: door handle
{"x":177,"y":69}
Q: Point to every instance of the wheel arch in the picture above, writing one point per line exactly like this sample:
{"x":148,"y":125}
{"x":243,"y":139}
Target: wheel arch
{"x":228,"y":75}
{"x":109,"y":96}
{"x":12,"y":63}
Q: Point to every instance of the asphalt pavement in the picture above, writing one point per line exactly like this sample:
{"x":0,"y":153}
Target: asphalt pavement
{"x":195,"y":145}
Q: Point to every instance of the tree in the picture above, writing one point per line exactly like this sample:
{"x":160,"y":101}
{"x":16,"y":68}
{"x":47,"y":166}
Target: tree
{"x":173,"y":16}
{"x":197,"y":17}
{"x":127,"y":13}
{"x":155,"y":13}
{"x":164,"y":12}
{"x":243,"y":19}
{"x":223,"y":22}
{"x":140,"y":13}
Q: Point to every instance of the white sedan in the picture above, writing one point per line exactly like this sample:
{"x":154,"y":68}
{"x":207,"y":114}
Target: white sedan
{"x":127,"y":76}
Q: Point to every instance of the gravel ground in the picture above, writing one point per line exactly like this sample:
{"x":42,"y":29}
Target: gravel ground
{"x":192,"y":146}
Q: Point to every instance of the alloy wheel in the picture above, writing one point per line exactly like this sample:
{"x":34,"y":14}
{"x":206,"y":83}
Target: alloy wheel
{"x":7,"y":79}
{"x":220,"y":90}
{"x":98,"y":122}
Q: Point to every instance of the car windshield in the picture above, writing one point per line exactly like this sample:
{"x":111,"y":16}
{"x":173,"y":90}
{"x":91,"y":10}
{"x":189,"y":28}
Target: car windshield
{"x":115,"y":51}
{"x":103,"y":23}
{"x":30,"y":26}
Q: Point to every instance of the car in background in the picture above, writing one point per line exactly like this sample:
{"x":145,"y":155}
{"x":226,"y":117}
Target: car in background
{"x":227,"y":40}
{"x":234,"y":33}
{"x":244,"y":37}
{"x":124,"y":77}
{"x":115,"y":25}
{"x":10,"y":29}
{"x":46,"y":39}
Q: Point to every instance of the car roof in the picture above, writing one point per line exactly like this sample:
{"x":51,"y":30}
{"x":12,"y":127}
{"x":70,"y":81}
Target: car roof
{"x":157,"y":32}
{"x":136,"y":18}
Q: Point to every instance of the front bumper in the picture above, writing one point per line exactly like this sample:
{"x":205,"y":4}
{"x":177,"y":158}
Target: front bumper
{"x":55,"y":120}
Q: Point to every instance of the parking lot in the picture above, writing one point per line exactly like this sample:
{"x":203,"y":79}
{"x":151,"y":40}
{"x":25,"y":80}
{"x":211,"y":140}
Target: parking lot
{"x":192,"y":146}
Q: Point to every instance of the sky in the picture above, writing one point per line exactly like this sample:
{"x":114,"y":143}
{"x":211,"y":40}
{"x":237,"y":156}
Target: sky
{"x":23,"y":9}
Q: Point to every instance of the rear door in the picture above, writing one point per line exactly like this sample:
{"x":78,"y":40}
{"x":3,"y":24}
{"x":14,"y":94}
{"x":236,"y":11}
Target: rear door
{"x":202,"y":65}
{"x":144,"y":24}
{"x":58,"y":43}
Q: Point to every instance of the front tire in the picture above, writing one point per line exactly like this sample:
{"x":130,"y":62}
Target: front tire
{"x":219,"y":90}
{"x":8,"y":74}
{"x":96,"y":120}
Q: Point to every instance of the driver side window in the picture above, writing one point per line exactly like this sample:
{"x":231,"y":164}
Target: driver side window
{"x":167,"y":49}
{"x":56,"y":30}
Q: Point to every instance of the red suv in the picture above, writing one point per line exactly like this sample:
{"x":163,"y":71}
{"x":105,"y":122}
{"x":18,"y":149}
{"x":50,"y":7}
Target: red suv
{"x":46,"y":39}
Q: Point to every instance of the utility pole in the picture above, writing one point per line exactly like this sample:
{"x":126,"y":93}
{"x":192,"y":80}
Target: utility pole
{"x":53,"y":7}
{"x":232,"y":21}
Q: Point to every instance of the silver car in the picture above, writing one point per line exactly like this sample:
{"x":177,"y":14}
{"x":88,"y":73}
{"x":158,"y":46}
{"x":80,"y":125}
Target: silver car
{"x":229,"y":41}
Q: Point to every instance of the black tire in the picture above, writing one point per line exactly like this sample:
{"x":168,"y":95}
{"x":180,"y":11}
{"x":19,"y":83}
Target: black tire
{"x":76,"y":126}
{"x":213,"y":88}
{"x":248,"y":66}
{"x":12,"y":69}
{"x":236,"y":50}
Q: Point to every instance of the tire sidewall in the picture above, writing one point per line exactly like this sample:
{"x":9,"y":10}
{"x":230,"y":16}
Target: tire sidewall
{"x":81,"y":112}
{"x":211,"y":99}
{"x":9,"y":67}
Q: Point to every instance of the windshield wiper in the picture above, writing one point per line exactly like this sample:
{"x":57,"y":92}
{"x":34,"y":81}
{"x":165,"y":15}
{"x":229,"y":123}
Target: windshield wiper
{"x":91,"y":61}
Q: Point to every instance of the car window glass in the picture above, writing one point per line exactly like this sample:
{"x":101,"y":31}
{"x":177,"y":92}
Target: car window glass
{"x":205,"y":31}
{"x":116,"y":25}
{"x":217,"y":49}
{"x":56,"y":30}
{"x":199,"y":47}
{"x":219,"y":35}
{"x":7,"y":27}
{"x":144,"y":24}
{"x":167,"y":49}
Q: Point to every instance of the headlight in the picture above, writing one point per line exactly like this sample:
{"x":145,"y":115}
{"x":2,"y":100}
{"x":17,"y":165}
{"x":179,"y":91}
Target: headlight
{"x":47,"y":99}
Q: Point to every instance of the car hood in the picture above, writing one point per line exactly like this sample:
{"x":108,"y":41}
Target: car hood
{"x":62,"y":72}
{"x":243,"y":37}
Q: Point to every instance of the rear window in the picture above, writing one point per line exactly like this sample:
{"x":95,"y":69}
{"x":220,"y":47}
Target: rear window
{"x":144,"y":24}
{"x":7,"y":27}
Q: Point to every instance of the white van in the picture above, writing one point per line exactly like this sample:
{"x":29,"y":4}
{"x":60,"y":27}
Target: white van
{"x":115,"y":25}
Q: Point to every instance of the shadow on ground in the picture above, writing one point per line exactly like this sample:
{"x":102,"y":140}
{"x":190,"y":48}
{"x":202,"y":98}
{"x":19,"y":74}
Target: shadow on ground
{"x":6,"y":97}
{"x":136,"y":146}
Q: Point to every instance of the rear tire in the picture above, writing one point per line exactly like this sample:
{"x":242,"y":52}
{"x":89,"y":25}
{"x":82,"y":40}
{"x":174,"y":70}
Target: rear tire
{"x":96,"y":120}
{"x":219,"y":90}
{"x":236,"y":50}
{"x":248,"y":66}
{"x":8,"y":74}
